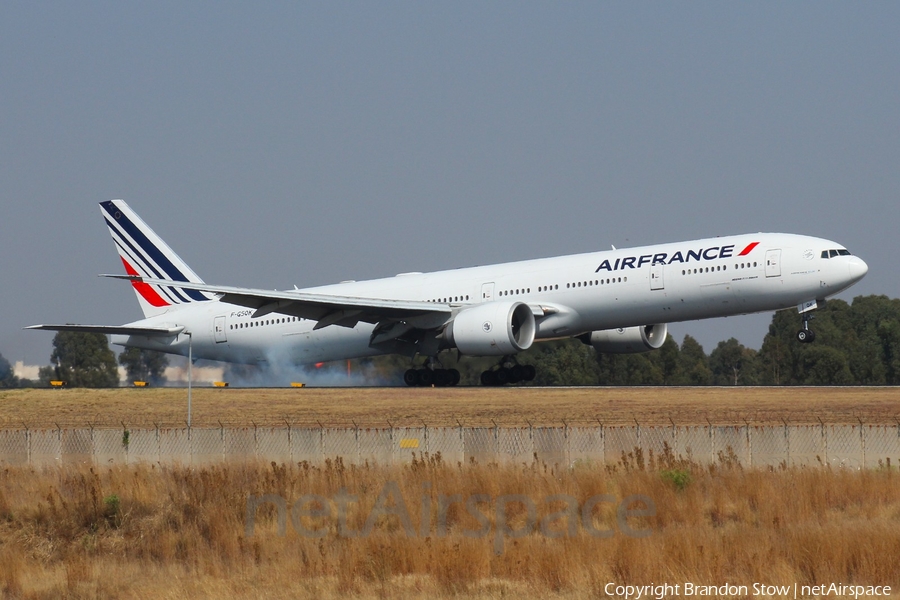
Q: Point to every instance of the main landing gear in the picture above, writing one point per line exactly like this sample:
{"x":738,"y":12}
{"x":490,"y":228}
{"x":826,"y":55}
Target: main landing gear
{"x":806,"y":335}
{"x":429,"y":376}
{"x":508,"y":371}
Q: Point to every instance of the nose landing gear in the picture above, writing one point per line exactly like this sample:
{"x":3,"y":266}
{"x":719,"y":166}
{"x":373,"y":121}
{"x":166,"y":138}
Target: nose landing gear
{"x":806,"y":335}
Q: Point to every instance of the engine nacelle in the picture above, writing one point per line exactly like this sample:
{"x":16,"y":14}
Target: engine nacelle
{"x":627,"y":341}
{"x":492,"y":329}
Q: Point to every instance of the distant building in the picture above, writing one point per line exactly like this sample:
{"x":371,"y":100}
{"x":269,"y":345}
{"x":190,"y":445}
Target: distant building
{"x":174,"y":375}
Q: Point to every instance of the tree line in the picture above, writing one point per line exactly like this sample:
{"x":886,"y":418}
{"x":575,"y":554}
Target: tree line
{"x":856,"y":344}
{"x":86,"y":360}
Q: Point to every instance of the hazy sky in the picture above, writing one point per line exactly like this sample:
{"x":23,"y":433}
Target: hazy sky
{"x":274,"y":144}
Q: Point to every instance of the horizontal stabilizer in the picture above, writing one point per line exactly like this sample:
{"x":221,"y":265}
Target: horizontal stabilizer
{"x":114,"y":330}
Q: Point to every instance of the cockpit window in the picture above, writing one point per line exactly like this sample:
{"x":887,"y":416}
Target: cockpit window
{"x":836,"y":252}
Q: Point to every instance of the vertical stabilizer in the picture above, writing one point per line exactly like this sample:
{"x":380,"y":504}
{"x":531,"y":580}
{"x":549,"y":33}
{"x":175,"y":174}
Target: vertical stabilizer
{"x":144,"y":253}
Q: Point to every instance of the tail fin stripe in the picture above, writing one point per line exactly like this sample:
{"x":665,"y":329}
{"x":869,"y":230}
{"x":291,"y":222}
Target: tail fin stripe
{"x":139,"y":259}
{"x":149,"y":251}
{"x":145,"y":290}
{"x":148,"y":247}
{"x":134,"y":254}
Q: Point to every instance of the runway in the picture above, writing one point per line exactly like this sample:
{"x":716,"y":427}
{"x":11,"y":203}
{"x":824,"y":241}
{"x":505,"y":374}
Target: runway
{"x":443,"y":407}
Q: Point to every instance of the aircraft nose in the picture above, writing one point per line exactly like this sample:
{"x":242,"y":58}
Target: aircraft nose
{"x":858,"y":268}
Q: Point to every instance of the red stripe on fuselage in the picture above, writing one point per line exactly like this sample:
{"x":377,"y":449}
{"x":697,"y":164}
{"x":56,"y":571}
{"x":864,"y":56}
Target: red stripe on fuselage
{"x":146,"y":292}
{"x":748,"y":249}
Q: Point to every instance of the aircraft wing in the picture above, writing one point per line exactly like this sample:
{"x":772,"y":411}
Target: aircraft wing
{"x":113,"y":330}
{"x":326,"y":309}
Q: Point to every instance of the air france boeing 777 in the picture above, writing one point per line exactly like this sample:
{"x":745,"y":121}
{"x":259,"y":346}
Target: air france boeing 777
{"x":618,"y":301}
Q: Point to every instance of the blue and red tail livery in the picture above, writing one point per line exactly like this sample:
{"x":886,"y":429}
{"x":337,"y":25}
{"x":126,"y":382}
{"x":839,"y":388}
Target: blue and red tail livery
{"x":144,"y":253}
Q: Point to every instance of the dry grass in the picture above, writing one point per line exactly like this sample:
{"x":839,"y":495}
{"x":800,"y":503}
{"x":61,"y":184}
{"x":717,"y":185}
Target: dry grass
{"x":447,"y":406}
{"x":175,"y":532}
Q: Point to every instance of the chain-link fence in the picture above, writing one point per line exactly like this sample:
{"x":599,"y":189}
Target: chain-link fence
{"x":853,"y":446}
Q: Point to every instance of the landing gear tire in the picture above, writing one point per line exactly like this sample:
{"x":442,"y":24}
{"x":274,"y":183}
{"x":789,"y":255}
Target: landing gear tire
{"x":530,"y":372}
{"x":806,"y":336}
{"x":441,"y":377}
{"x":514,"y":373}
{"x":426,"y":377}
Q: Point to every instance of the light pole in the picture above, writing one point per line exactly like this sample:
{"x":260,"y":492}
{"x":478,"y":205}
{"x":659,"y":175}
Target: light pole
{"x":190,"y":373}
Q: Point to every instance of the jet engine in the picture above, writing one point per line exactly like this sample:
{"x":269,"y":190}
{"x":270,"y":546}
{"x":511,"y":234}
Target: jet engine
{"x":630,"y":340}
{"x":492,"y":329}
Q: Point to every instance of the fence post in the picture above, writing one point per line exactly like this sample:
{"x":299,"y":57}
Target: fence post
{"x":862,"y":441}
{"x":222,"y":439}
{"x":290,"y":440}
{"x":749,"y":445}
{"x":568,"y":449}
{"x":531,"y":437}
{"x":787,"y":441}
{"x":639,"y":445}
{"x":496,"y":441}
{"x":28,"y":441}
{"x":425,"y":425}
{"x":93,"y":445}
{"x":602,"y":443}
{"x":391,"y":438}
{"x":58,"y":443}
{"x":674,"y":438}
{"x":712,"y":442}
{"x":824,"y":440}
{"x":356,"y":436}
{"x":128,"y":445}
{"x":321,"y":442}
{"x":462,"y":440}
{"x":156,"y":425}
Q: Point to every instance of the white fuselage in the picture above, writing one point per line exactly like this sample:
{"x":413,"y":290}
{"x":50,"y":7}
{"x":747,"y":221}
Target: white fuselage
{"x":585,"y":292}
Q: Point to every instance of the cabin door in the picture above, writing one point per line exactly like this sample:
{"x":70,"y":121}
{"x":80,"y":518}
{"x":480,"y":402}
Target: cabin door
{"x":656,"y":276}
{"x":773,"y":263}
{"x":219,"y":330}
